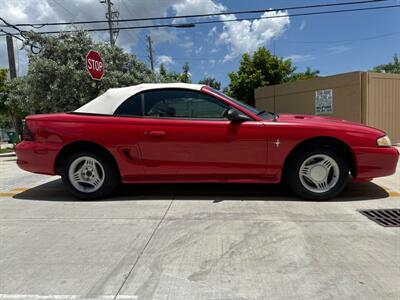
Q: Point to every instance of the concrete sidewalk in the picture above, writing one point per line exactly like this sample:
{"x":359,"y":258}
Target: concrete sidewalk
{"x":193,"y":241}
{"x":391,"y":183}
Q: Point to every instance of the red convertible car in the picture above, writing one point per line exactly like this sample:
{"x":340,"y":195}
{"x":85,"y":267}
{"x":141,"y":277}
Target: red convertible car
{"x":192,"y":133}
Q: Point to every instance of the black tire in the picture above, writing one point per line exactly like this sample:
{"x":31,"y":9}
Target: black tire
{"x":111,"y":176}
{"x":293,"y":176}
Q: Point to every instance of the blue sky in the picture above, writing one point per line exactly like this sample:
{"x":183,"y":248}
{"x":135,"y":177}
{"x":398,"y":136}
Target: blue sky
{"x":355,"y":45}
{"x":330,"y":43}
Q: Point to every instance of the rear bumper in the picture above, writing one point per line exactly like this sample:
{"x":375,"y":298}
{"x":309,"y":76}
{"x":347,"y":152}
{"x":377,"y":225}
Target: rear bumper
{"x":37,"y":157}
{"x":372,"y":162}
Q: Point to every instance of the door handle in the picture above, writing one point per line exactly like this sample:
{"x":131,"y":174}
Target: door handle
{"x":156,"y":134}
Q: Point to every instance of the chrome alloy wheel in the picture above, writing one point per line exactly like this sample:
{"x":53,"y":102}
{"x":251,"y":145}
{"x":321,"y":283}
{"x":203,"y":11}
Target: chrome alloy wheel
{"x":319,"y":173}
{"x":86,"y":174}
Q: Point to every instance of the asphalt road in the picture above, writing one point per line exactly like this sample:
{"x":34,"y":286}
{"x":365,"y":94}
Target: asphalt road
{"x":197,"y":241}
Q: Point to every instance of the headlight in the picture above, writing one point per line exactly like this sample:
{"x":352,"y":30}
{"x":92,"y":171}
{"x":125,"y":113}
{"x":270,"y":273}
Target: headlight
{"x":384,"y":141}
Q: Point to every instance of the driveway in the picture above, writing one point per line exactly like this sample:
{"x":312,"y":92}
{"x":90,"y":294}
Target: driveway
{"x":194,"y":241}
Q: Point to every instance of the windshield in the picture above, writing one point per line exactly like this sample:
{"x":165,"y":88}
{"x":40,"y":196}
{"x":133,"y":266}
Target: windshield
{"x":263,"y":114}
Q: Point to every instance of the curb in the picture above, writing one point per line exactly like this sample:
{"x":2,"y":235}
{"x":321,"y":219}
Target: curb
{"x":10,"y":154}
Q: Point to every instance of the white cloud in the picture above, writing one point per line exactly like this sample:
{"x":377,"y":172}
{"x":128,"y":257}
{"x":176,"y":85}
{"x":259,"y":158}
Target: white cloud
{"x":161,"y":36}
{"x":338,"y":49}
{"x":300,"y":57}
{"x":247,"y":36}
{"x":194,"y":7}
{"x":33,"y":11}
{"x":165,"y":60}
{"x":187,"y":44}
{"x":303,"y":25}
{"x":137,"y":9}
{"x":212,"y":32}
{"x":18,"y":12}
{"x":198,"y":50}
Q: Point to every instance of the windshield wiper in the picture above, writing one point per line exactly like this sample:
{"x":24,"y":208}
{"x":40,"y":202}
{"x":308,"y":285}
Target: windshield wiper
{"x":261,"y":112}
{"x":276,"y":115}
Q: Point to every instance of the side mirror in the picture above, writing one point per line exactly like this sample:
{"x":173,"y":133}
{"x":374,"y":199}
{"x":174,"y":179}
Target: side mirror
{"x":236,"y":116}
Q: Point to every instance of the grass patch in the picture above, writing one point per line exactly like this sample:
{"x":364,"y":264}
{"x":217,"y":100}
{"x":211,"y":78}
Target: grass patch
{"x":8,"y":150}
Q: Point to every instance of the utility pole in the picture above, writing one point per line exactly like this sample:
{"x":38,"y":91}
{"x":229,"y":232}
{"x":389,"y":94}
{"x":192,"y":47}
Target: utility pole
{"x":112,"y":17}
{"x":11,"y":57}
{"x":110,"y":27}
{"x":16,"y":121}
{"x":150,"y":51}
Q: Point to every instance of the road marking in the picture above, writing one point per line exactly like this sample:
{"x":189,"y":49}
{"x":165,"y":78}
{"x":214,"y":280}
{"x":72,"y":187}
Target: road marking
{"x":7,"y":195}
{"x":390,"y":192}
{"x":19,"y":189}
{"x":393,"y":194}
{"x":13,"y":192}
{"x":62,"y":297}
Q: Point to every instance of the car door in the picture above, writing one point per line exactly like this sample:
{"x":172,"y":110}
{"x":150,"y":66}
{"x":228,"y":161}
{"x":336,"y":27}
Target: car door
{"x":185,"y":136}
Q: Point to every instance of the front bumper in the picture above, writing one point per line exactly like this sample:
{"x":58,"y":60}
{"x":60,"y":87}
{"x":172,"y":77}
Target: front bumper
{"x":37,"y":157}
{"x":372,"y":162}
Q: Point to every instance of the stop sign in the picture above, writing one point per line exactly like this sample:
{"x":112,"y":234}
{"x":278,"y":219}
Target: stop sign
{"x":95,"y":65}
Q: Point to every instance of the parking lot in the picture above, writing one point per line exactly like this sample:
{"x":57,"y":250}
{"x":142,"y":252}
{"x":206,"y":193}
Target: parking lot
{"x":194,"y":241}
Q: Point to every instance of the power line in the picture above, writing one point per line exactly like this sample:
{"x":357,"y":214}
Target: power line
{"x":347,"y":41}
{"x":6,"y":24}
{"x":126,"y":8}
{"x":342,"y":41}
{"x":36,"y":25}
{"x":112,"y":17}
{"x":228,"y":20}
{"x":12,"y":34}
{"x":67,"y":10}
{"x":24,"y":40}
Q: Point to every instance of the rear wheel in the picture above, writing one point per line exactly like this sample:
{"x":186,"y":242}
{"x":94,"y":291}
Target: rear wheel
{"x":318,"y":174}
{"x":89,"y":175}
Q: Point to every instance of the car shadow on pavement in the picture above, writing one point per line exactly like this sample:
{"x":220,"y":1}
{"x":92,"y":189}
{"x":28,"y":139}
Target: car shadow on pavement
{"x":54,"y":191}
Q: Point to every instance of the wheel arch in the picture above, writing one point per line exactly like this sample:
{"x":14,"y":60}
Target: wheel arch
{"x":326,"y":141}
{"x":83,"y":145}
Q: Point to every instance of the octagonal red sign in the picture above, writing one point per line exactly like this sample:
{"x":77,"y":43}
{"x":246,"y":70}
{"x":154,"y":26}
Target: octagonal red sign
{"x":95,"y":65}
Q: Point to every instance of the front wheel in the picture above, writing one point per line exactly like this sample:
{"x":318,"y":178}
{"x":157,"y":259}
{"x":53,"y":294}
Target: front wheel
{"x":318,"y":174}
{"x":89,"y":176}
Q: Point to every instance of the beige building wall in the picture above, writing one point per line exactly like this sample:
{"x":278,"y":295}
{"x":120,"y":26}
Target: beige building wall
{"x":369,"y":98}
{"x":383,"y":103}
{"x":299,"y":97}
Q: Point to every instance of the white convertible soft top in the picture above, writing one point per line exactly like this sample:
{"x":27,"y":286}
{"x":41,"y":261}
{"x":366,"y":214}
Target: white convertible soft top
{"x":108,"y":102}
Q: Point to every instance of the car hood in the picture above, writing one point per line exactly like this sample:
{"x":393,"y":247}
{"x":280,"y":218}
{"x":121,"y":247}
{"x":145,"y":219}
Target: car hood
{"x":327,"y":122}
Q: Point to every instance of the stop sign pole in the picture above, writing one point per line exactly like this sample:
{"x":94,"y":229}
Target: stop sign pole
{"x":95,"y":65}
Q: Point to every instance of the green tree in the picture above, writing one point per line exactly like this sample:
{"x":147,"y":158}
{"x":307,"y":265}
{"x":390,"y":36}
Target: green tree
{"x":166,"y":76}
{"x":11,"y":111}
{"x":3,"y":90}
{"x":4,"y":114}
{"x":3,"y":78}
{"x":391,"y":67}
{"x":185,"y":75}
{"x":16,"y":91}
{"x":57,"y":79}
{"x":163,"y":70}
{"x":308,"y":74}
{"x":260,"y":69}
{"x":212,"y":82}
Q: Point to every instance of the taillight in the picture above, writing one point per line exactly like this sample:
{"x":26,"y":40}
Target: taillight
{"x":27,"y":134}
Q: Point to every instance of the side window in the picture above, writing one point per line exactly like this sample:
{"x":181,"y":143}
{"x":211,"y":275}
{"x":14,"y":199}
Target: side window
{"x":176,"y":103}
{"x":130,"y":107}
